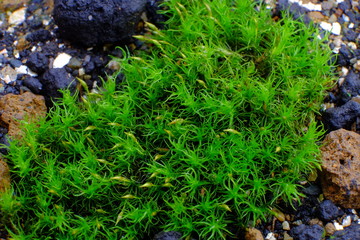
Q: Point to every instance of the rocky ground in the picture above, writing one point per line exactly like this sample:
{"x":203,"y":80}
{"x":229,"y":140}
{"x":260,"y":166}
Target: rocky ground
{"x":37,"y":59}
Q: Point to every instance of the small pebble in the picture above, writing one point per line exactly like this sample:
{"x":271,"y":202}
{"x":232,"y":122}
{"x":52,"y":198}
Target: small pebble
{"x":297,"y":222}
{"x":74,"y":63}
{"x":336,"y":28}
{"x":357,"y":65}
{"x":287,"y":236}
{"x":22,"y":69}
{"x":114,"y":65}
{"x":346,"y":221}
{"x":312,"y":7}
{"x":330,"y":229}
{"x":315,"y":221}
{"x":270,"y":236}
{"x":17,"y":17}
{"x":61,"y":60}
{"x":352,"y":45}
{"x":346,"y":18}
{"x":332,"y":19}
{"x":344,"y":71}
{"x":338,"y":226}
{"x":286,"y":225}
{"x":253,"y":234}
{"x":81,"y":72}
{"x":327,"y":5}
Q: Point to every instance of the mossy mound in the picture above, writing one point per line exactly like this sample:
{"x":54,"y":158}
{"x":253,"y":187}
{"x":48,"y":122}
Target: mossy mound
{"x":207,"y":131}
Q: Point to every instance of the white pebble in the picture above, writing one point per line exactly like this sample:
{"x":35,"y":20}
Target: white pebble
{"x":61,"y":60}
{"x":336,"y":50}
{"x":25,"y":70}
{"x":16,"y":55}
{"x":286,"y":225}
{"x":341,"y":81}
{"x":270,"y":236}
{"x":45,"y":22}
{"x":336,"y":28}
{"x":10,"y":30}
{"x":346,"y":18}
{"x":346,"y":221}
{"x":312,"y":7}
{"x":17,"y":17}
{"x":344,"y":71}
{"x":338,"y":226}
{"x":7,"y":79}
{"x":326,"y":26}
{"x":22,"y":69}
{"x":4,"y":52}
{"x":351,"y":25}
{"x":352,"y":45}
{"x":81,"y":72}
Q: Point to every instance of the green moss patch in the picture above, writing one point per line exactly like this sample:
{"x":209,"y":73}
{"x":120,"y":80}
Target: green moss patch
{"x":205,"y":133}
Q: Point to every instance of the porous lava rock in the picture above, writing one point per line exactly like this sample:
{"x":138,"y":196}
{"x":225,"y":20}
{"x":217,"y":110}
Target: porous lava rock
{"x":54,"y":80}
{"x":328,"y":210}
{"x":33,"y":84}
{"x":340,"y":175}
{"x":4,"y":176}
{"x":350,"y":88}
{"x":38,"y":62}
{"x":341,"y":117}
{"x":95,"y":22}
{"x":18,"y":107}
{"x":305,"y":232}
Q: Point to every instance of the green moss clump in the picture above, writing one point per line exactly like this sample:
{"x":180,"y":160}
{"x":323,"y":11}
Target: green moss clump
{"x":206,"y":132}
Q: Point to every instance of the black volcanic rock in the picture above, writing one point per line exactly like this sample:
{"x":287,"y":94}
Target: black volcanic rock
{"x":54,"y":80}
{"x":350,"y":88}
{"x":95,"y":22}
{"x":38,"y":62}
{"x":341,"y":117}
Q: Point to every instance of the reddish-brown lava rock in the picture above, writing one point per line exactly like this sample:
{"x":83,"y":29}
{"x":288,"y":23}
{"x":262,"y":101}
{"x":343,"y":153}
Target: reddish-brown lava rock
{"x":4,"y":176}
{"x":340,"y":176}
{"x":16,"y":107}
